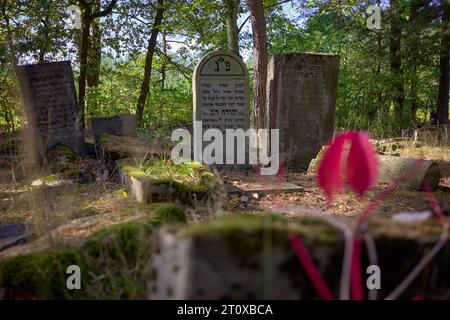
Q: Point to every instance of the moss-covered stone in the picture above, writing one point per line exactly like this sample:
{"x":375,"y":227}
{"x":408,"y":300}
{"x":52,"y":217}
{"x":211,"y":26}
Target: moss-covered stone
{"x":196,"y":185}
{"x":40,"y":275}
{"x":66,"y":177}
{"x":61,"y":152}
{"x":257,"y":221}
{"x":126,"y":167}
{"x":113,"y":262}
{"x":250,"y":248}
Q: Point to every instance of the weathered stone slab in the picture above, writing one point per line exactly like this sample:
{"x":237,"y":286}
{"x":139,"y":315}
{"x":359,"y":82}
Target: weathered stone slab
{"x":113,"y":148}
{"x":147,"y":188}
{"x":50,"y":101}
{"x":251,"y":257}
{"x":119,"y":125}
{"x":11,"y":235}
{"x":393,"y":168}
{"x":432,"y":135}
{"x":221,"y":97}
{"x":301,"y":96}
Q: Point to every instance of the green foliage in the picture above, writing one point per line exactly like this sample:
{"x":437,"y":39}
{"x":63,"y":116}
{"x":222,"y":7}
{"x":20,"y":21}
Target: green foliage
{"x":166,"y":108}
{"x":366,"y":83}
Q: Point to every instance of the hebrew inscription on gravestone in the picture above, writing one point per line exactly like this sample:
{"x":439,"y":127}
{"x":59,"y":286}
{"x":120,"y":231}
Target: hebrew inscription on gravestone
{"x":301,"y":96}
{"x":51,"y":107}
{"x":221,"y":95}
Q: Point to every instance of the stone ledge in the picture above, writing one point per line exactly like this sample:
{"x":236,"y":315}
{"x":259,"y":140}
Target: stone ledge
{"x":148,"y":189}
{"x":250,"y":257}
{"x":113,"y":148}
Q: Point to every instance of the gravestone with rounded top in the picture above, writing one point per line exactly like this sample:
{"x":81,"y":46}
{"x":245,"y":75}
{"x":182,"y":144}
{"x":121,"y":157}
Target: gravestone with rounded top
{"x":51,"y":107}
{"x":221,"y":99}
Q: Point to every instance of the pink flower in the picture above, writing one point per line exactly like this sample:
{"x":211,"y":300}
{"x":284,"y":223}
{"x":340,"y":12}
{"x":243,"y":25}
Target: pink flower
{"x":362,"y":165}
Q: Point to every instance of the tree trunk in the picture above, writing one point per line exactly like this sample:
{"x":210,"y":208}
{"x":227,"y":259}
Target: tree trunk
{"x":85,"y":25}
{"x":86,"y":18}
{"x":148,"y":61}
{"x":260,"y":62}
{"x":164,"y":62}
{"x":413,"y":43}
{"x":442,"y":101}
{"x":232,"y":28}
{"x":9,"y":37}
{"x":41,"y":56}
{"x":9,"y":40}
{"x":395,"y":58}
{"x":94,"y":52}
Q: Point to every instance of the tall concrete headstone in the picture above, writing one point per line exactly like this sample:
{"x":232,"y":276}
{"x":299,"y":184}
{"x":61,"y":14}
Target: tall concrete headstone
{"x":221,"y":95}
{"x":51,"y":106}
{"x":301,"y":97}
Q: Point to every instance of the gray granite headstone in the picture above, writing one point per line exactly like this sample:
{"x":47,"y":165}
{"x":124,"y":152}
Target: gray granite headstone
{"x":119,"y":125}
{"x":51,"y":106}
{"x":221,"y":94}
{"x":301,"y":95}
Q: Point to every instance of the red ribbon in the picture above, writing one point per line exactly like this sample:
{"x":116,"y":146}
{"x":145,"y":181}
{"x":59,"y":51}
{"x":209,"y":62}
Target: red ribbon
{"x":311,"y":269}
{"x":355,"y":271}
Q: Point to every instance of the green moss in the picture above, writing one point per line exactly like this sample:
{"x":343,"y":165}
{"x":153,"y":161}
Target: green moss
{"x":76,"y":176}
{"x":257,"y":221}
{"x":167,"y":213}
{"x":186,"y":181}
{"x":60,"y":167}
{"x":104,"y":138}
{"x":196,"y":166}
{"x":247,"y":235}
{"x":69,"y":174}
{"x":134,"y":172}
{"x":61,"y":150}
{"x":119,"y":241}
{"x":41,"y":275}
{"x":118,"y":255}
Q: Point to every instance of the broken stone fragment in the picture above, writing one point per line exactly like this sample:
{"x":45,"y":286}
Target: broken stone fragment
{"x":392,"y":168}
{"x":67,"y":177}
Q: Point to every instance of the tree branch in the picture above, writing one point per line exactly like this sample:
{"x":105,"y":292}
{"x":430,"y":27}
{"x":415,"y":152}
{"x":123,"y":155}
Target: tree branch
{"x":266,"y":7}
{"x":176,"y":65}
{"x":104,"y":12}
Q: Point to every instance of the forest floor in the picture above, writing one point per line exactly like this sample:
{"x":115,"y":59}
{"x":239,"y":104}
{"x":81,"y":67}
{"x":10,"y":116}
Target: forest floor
{"x":347,"y":203}
{"x":77,"y":211}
